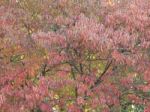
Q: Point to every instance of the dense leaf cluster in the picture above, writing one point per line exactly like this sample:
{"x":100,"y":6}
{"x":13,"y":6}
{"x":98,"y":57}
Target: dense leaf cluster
{"x":75,"y":56}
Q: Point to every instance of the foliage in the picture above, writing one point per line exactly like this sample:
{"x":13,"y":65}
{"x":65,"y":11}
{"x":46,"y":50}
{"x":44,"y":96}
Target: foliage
{"x":75,"y":56}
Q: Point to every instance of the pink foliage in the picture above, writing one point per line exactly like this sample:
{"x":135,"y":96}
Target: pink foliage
{"x":94,"y":58}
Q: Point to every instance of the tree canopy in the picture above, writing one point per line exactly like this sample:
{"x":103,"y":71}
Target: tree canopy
{"x":75,"y":56}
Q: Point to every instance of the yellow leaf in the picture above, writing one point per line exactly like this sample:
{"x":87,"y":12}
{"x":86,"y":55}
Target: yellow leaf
{"x":56,"y":97}
{"x":110,"y":2}
{"x":22,"y":57}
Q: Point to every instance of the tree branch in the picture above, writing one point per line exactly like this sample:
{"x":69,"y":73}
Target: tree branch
{"x":99,"y":80}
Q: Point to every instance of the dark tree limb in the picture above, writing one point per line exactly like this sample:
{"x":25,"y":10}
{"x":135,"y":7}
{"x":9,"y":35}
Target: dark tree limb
{"x":99,"y":80}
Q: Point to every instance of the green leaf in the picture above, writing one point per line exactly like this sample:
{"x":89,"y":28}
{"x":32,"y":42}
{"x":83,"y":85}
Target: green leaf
{"x":17,"y":58}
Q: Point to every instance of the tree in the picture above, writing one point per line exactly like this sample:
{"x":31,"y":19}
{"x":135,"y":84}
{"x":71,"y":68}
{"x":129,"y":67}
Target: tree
{"x":54,"y":58}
